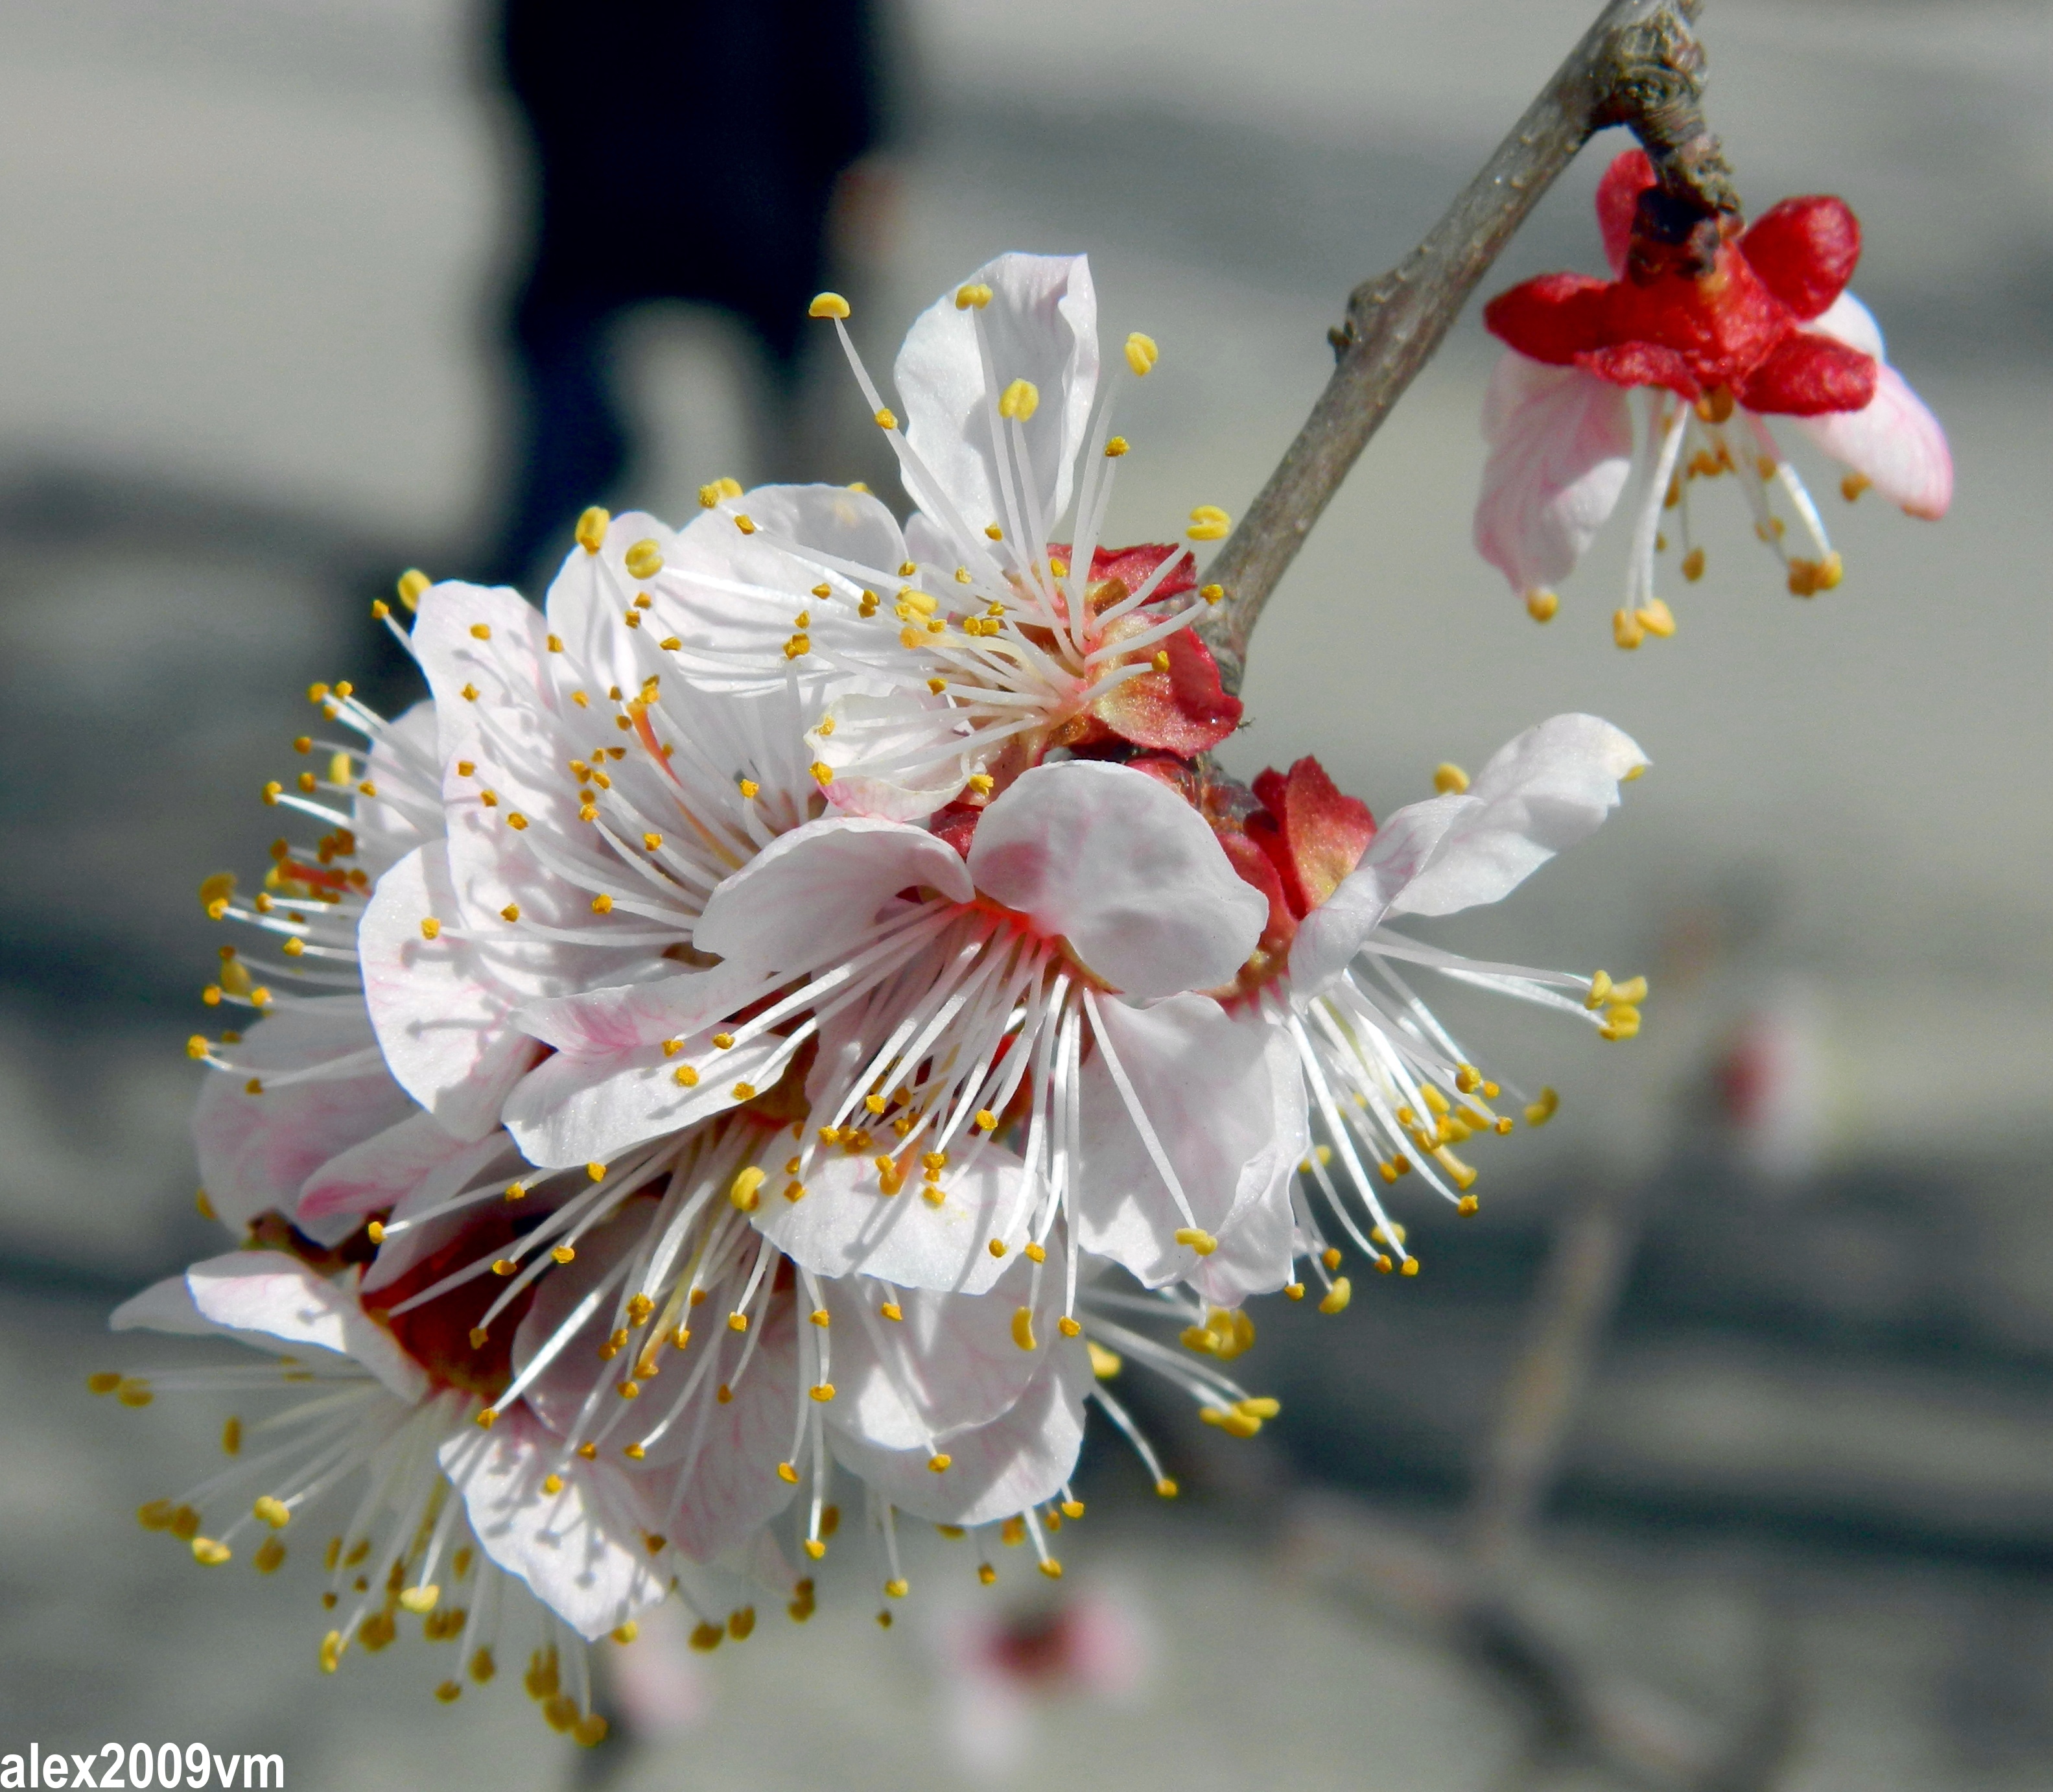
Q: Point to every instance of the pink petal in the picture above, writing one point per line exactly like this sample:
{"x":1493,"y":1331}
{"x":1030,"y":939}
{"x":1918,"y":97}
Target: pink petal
{"x":256,"y":1152}
{"x":1122,"y":867}
{"x":1895,"y":442}
{"x":379,"y":1172}
{"x":267,"y":1299}
{"x":1560,"y":450}
{"x":580,"y":1550}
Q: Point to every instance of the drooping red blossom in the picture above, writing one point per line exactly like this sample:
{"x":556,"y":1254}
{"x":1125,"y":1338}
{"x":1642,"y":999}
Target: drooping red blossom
{"x":1737,"y":327}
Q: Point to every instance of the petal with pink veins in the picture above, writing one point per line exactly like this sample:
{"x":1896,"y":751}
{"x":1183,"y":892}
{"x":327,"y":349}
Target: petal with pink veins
{"x":1040,"y":326}
{"x":379,"y":1173}
{"x":265,"y":1299}
{"x":581,"y":1549}
{"x":1895,"y":442}
{"x":256,"y":1152}
{"x":1118,"y":864}
{"x":1560,"y":451}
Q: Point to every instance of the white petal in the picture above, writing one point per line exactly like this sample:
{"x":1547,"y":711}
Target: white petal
{"x":572,"y":1110}
{"x":256,"y":1152}
{"x":379,"y":1172}
{"x":386,"y":830}
{"x":442,"y":1007}
{"x":872,"y":729}
{"x":1895,"y":441}
{"x":591,"y":594}
{"x":844,"y":1225}
{"x":1125,"y":870}
{"x":581,"y":1549}
{"x":1548,"y":789}
{"x":1203,"y":1083}
{"x":817,"y":890}
{"x":1847,"y":319}
{"x":599,"y":1023}
{"x":1560,"y":450}
{"x":1330,"y":935}
{"x":1258,"y":1244}
{"x":265,"y":1299}
{"x":998,"y":1469}
{"x":953,"y":1356}
{"x":1042,"y":326}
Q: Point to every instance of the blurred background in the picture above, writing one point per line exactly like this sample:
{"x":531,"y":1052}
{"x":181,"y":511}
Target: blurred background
{"x":1717,"y":1451}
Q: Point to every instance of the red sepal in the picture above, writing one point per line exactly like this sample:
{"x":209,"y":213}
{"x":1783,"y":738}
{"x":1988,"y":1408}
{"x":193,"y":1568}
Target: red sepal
{"x":1805,"y":250}
{"x":1257,"y":868}
{"x":1629,"y":176}
{"x":957,"y":825}
{"x":1642,"y":363}
{"x":1183,"y":710}
{"x":1314,"y":833}
{"x":1132,"y":566}
{"x":1809,"y":376}
{"x":1554,"y":319}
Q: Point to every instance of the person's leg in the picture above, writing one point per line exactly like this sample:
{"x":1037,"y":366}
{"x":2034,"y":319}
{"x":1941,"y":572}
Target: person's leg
{"x":573,"y":442}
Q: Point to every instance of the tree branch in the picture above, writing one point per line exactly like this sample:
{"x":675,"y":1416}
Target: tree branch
{"x":1639,"y":65}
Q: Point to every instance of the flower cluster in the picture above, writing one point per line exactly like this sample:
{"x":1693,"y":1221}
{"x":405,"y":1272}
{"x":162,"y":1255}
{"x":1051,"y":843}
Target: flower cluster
{"x":790,"y":1018}
{"x":1768,"y":329}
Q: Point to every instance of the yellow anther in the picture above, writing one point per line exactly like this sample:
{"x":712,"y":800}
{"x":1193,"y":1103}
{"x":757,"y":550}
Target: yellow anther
{"x":591,"y":528}
{"x":1198,"y":1338}
{"x":996,"y":1246}
{"x":891,"y":1310}
{"x":1199,"y":1240}
{"x":564,"y":1253}
{"x":737,"y":1322}
{"x":1208,"y":523}
{"x":887,"y":418}
{"x":1437,"y":1102}
{"x":974,"y":296}
{"x":1467,"y":1204}
{"x":745,"y":523}
{"x":1116,"y":447}
{"x":644,"y":560}
{"x":421,"y":1600}
{"x":487,"y":1416}
{"x":1621,"y":1022}
{"x":1449,"y":779}
{"x":745,"y":1091}
{"x":823,"y":773}
{"x":1052,"y":1569}
{"x":941,"y":1463}
{"x":1851,"y":487}
{"x":787,"y":1473}
{"x":828,"y":305}
{"x":749,"y":786}
{"x":429,"y":928}
{"x":272,"y":1511}
{"x":982,"y":783}
{"x":1626,"y":629}
{"x":1656,"y":618}
{"x":1069,"y":1327}
{"x":1600,"y":992}
{"x":898,"y":1589}
{"x":602,"y":904}
{"x":1019,"y":400}
{"x":1022,"y":1328}
{"x":1337,"y":1296}
{"x":822,"y":1392}
{"x":798,"y":646}
{"x":1692,"y":565}
{"x":1141,"y":353}
{"x":746,"y":1193}
{"x":518,"y":822}
{"x":272,"y":791}
{"x":1037,"y":1253}
{"x":209,"y":1553}
{"x":685,"y":1077}
{"x":985,"y":1120}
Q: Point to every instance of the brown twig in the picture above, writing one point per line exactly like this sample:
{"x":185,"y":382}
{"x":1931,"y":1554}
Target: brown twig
{"x":1639,"y":65}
